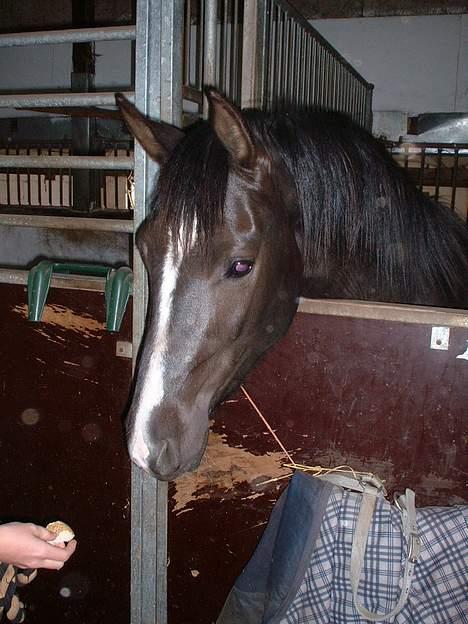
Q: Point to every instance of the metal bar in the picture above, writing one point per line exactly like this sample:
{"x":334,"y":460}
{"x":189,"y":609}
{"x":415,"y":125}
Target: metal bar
{"x":187,"y":42}
{"x":35,"y":100}
{"x":368,"y":123}
{"x":422,"y":164}
{"x":281,"y":55}
{"x":286,"y":57}
{"x":324,"y":43}
{"x":14,"y":161}
{"x":308,"y":69}
{"x":261,"y":58}
{"x":385,"y":312}
{"x":72,"y":35}
{"x":200,"y":46}
{"x":172,"y":32}
{"x":313,"y":77}
{"x":302,"y":67}
{"x":158,"y":93}
{"x":454,"y":179}
{"x":270,"y":76}
{"x":438,"y":168}
{"x":235,"y":54}
{"x":67,"y":223}
{"x":147,"y":586}
{"x":321,"y":80}
{"x":249,"y":52}
{"x":71,"y":282}
{"x":210,"y":52}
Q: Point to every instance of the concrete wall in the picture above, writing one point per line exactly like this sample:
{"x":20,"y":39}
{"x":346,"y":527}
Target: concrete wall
{"x":417,"y":64}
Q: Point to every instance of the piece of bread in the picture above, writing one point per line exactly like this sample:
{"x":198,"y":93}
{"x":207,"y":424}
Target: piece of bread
{"x":63,"y":533}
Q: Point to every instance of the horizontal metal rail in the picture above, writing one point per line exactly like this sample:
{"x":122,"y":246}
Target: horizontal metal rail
{"x":117,"y":163}
{"x":401,"y":313}
{"x":71,"y":282}
{"x":71,"y":35}
{"x":367,"y":310}
{"x":34,"y":100}
{"x":122,"y":226}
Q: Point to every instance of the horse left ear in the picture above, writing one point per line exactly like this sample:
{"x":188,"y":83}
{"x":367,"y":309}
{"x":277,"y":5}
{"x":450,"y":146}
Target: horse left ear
{"x":157,"y":138}
{"x":229,"y":125}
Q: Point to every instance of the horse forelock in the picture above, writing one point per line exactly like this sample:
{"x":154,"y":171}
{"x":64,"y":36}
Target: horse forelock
{"x":190,"y":195}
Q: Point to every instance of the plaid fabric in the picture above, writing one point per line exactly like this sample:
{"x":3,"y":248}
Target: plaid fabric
{"x":439,"y":591}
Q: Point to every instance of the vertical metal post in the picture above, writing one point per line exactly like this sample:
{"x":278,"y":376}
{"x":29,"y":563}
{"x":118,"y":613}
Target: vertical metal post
{"x":210,"y":51}
{"x":249,"y":54}
{"x":158,"y":93}
{"x":83,"y":128}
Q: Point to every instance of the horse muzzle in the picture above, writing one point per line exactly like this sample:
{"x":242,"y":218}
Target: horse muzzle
{"x":163,"y":459}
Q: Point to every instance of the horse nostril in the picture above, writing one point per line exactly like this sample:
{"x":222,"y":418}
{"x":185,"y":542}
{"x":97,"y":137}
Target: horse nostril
{"x":161,"y":450}
{"x":164,"y":460}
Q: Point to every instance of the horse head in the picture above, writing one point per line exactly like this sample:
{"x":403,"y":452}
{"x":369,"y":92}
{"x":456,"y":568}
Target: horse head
{"x":224,"y":271}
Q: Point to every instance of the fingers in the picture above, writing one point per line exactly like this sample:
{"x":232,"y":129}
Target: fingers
{"x":42,"y":533}
{"x":65,"y":553}
{"x":51,"y":564}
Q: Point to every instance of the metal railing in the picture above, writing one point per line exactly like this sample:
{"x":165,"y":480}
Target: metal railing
{"x":264,"y":54}
{"x":52,"y":168}
{"x":260,"y":53}
{"x":288,"y":64}
{"x":41,"y":177}
{"x":213,"y":31}
{"x":438,"y":169}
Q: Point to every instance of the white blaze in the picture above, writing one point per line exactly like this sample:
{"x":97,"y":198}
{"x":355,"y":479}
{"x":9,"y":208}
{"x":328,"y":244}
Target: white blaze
{"x":152,"y":386}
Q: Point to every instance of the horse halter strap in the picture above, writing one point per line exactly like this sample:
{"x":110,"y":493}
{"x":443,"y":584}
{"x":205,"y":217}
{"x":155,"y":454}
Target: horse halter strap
{"x":406,"y":505}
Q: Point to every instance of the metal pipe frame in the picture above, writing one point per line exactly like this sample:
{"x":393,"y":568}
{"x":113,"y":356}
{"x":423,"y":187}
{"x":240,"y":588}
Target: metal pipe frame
{"x":122,"y":226}
{"x":71,"y":35}
{"x":116,"y":163}
{"x":400,"y":313}
{"x":210,"y":48}
{"x":329,"y":307}
{"x":283,"y":47}
{"x":36,"y":100}
{"x":71,"y":282}
{"x":158,"y":93}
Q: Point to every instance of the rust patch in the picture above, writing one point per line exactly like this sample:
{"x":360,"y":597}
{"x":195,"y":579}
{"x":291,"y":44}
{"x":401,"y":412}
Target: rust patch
{"x":223,"y":468}
{"x":64,"y":318}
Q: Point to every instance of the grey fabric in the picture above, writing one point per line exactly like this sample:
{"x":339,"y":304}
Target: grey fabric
{"x":268,"y":584}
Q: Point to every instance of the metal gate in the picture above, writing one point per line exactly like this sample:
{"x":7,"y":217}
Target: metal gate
{"x":261,"y":53}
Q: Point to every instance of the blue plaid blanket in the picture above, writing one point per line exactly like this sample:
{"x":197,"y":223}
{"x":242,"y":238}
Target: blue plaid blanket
{"x":300,"y":571}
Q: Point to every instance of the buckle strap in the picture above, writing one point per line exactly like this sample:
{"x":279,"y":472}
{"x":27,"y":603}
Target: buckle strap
{"x":406,"y":505}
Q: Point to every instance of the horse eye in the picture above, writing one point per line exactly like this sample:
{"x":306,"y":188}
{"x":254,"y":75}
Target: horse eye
{"x":240,"y":268}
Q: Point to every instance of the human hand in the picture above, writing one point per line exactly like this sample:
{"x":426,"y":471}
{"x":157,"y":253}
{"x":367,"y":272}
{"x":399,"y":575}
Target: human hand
{"x":25,"y":546}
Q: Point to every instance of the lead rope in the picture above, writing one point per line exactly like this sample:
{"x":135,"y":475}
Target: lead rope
{"x":371,"y":487}
{"x":318,"y":471}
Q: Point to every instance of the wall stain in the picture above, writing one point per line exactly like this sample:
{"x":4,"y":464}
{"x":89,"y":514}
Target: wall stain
{"x":62,"y":317}
{"x":222,"y":470}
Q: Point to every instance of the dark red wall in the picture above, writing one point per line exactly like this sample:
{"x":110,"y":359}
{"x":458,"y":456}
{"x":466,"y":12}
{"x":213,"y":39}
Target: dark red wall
{"x":336,"y":390}
{"x":371,"y":394}
{"x":62,"y":456}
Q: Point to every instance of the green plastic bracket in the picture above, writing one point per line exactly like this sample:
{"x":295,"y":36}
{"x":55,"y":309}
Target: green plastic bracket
{"x":119,"y":284}
{"x":118,"y":288}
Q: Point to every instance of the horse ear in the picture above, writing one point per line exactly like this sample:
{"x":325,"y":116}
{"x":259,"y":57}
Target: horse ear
{"x":229,"y":125}
{"x":158,"y":139}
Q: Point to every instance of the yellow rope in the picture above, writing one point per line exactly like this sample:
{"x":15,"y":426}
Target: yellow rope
{"x":267,"y":425}
{"x":316,"y":470}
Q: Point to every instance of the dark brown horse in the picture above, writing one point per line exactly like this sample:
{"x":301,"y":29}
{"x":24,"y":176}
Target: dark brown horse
{"x":250,"y":212}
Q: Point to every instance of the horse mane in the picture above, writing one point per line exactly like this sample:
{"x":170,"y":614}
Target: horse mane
{"x":356,"y":207}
